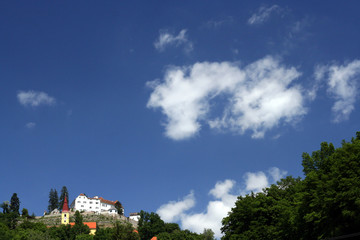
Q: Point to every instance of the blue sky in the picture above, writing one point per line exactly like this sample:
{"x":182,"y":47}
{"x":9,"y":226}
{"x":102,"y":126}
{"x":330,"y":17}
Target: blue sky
{"x":173,"y":107}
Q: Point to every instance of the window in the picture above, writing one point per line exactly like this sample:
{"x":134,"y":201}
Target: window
{"x":90,"y":202}
{"x":97,"y":203}
{"x":84,"y":201}
{"x":97,"y":207}
{"x":78,"y":201}
{"x":82,"y":205}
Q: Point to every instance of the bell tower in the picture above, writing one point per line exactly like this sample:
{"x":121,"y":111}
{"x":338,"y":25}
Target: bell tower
{"x":65,"y":214}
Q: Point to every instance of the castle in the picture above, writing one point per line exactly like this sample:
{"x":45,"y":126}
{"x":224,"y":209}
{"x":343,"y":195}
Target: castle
{"x":96,"y":204}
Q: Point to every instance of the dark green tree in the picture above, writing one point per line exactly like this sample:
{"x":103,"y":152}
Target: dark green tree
{"x":119,"y":208}
{"x":124,"y":231}
{"x":171,"y":227}
{"x":331,"y":201}
{"x":25,"y":213}
{"x":5,"y":232}
{"x":63,"y":232}
{"x":103,"y":233}
{"x":53,"y":200}
{"x":324,"y":205}
{"x":15,"y":204}
{"x":64,"y":192}
{"x":79,"y":227}
{"x":266,"y":215}
{"x":150,"y":224}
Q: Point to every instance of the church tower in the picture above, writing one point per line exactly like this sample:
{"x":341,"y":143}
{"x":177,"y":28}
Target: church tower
{"x":65,"y":214}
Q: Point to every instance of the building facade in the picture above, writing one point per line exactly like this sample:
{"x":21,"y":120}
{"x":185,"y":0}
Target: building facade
{"x":96,"y":204}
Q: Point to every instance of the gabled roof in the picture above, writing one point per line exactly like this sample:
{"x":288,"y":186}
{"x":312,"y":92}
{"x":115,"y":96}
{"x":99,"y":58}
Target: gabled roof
{"x":101,"y":199}
{"x":91,"y":225}
{"x":107,"y":201}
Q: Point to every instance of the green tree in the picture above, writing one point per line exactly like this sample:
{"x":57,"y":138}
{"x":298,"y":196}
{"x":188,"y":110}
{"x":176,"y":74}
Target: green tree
{"x":331,"y":200}
{"x":150,"y":224}
{"x":171,"y":227}
{"x":25,"y":213}
{"x":15,"y":204}
{"x":63,"y":232}
{"x":64,"y":192}
{"x":103,"y":233}
{"x":53,"y":200}
{"x":79,"y":227}
{"x":84,"y":237}
{"x":5,"y":206}
{"x":5,"y":232}
{"x":208,"y":234}
{"x":267,"y":215}
{"x":124,"y":231}
{"x":325,"y":204}
{"x":119,"y":208}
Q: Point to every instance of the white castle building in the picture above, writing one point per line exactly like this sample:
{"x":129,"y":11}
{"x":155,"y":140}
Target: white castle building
{"x":96,"y":204}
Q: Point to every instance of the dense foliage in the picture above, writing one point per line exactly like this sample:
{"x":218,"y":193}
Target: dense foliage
{"x":325,"y":204}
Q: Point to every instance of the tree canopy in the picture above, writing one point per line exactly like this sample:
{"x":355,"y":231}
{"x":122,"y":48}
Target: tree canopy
{"x":325,"y":204}
{"x":15,"y":204}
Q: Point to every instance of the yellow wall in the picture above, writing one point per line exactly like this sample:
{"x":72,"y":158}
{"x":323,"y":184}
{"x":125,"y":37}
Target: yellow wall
{"x":65,"y":218}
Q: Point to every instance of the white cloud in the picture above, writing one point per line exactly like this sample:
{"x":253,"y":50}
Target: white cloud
{"x":171,"y":211}
{"x":34,"y":98}
{"x":276,"y":173}
{"x":30,"y":125}
{"x":167,"y":39}
{"x":342,"y":85}
{"x":260,"y":96}
{"x":217,"y":209}
{"x":256,"y":181}
{"x":262,"y":14}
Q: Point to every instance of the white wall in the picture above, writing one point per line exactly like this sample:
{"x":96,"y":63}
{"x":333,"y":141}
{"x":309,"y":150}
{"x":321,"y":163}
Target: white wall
{"x":83,"y":203}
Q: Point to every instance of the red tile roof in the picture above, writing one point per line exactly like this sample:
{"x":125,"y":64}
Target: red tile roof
{"x":65,"y":207}
{"x":91,"y":225}
{"x":101,"y":199}
{"x":107,"y":201}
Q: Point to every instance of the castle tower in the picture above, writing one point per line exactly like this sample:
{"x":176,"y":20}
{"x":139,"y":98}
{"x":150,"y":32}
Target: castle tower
{"x":65,"y":214}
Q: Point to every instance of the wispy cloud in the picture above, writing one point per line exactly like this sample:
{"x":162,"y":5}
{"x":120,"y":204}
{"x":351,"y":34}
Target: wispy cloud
{"x":216,"y":209}
{"x":220,"y":22}
{"x":35,"y":99}
{"x":342,"y":85}
{"x":167,"y":39}
{"x":263,"y":14}
{"x":30,"y":125}
{"x":259,"y":97}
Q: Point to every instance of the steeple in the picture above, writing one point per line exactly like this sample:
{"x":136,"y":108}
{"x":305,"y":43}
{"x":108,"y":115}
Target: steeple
{"x":65,"y":214}
{"x":65,"y":207}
